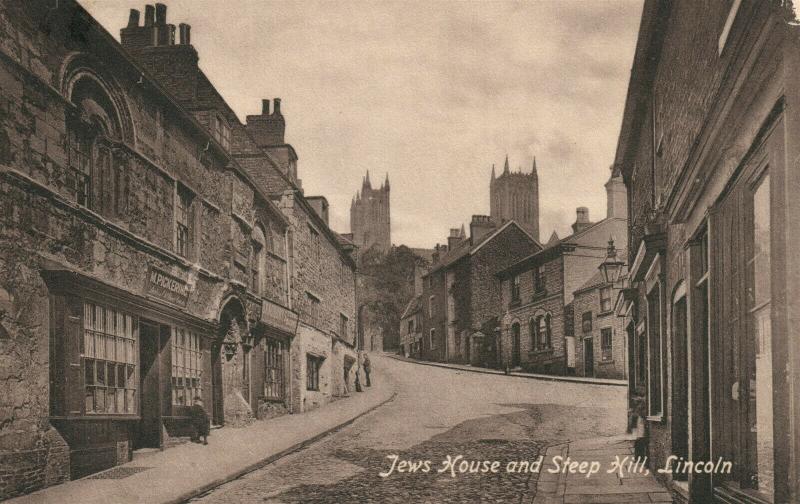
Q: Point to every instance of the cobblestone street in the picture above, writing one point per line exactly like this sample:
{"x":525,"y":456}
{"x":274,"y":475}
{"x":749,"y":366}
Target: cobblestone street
{"x":438,"y":413}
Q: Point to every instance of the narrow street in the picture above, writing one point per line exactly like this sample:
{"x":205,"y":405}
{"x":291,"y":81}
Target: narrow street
{"x":437,"y":412}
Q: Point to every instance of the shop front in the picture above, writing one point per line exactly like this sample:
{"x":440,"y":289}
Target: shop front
{"x":123,"y":368}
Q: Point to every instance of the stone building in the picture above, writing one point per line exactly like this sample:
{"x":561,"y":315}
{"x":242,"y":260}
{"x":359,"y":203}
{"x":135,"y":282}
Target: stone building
{"x":411,"y":318}
{"x":600,"y":341}
{"x":536,"y":313}
{"x":515,"y":196}
{"x":461,"y":294}
{"x":370,"y":217}
{"x":146,"y":255}
{"x":709,"y":151}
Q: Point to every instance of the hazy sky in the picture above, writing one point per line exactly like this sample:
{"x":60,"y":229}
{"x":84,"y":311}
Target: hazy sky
{"x":432,"y":93}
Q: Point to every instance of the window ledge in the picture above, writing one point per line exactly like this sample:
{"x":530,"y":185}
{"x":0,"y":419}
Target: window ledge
{"x":606,"y":313}
{"x":539,"y":295}
{"x":541,"y":351}
{"x":655,"y":418}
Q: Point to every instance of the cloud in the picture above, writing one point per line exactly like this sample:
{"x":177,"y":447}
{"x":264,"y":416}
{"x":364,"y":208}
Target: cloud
{"x":433,"y":93}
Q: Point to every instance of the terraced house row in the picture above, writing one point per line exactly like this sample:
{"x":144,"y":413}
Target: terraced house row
{"x":153,"y":248}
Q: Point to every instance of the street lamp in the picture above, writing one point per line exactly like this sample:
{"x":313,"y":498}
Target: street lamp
{"x":611,"y":267}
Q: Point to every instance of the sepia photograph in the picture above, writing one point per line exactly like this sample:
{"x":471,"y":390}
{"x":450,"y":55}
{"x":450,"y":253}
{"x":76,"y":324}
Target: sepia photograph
{"x":399,"y":251}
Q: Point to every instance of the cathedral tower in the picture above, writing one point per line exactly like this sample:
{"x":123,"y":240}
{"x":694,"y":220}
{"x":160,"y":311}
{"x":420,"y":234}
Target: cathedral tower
{"x":370,"y":223}
{"x":515,"y":196}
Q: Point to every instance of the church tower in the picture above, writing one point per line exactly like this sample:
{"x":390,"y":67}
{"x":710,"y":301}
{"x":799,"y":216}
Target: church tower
{"x":370,"y":222}
{"x":515,"y":196}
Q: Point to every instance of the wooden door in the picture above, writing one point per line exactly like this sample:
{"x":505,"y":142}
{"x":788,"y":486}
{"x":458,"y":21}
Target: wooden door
{"x":588,"y":356}
{"x":148,"y":433}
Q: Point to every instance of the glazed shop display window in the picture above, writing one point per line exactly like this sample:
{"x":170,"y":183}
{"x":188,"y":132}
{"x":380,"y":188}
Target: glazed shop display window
{"x":110,"y":350}
{"x":187,"y":371}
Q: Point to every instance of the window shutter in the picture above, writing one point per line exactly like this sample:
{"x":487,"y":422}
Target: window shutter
{"x":73,"y":368}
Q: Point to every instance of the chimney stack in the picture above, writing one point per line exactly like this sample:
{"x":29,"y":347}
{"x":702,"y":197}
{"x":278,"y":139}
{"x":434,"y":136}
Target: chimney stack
{"x":185,"y":33}
{"x":149,"y":15}
{"x":454,"y":239}
{"x":133,"y":18}
{"x":480,"y":226}
{"x":267,"y":128}
{"x":161,"y":14}
{"x":581,"y":220}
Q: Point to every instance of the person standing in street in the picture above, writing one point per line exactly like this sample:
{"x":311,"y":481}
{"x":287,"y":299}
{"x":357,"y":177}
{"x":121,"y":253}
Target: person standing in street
{"x":367,"y":369}
{"x":200,"y":421}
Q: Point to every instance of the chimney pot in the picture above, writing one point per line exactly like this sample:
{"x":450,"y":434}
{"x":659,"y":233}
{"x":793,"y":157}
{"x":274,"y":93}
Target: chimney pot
{"x":149,"y":15}
{"x":264,"y":107}
{"x":582,"y":214}
{"x":277,"y":106}
{"x":133,"y":18}
{"x":161,"y":14}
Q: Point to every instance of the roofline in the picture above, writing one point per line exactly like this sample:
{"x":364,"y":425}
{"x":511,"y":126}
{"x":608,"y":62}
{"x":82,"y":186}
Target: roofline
{"x":648,"y":44}
{"x":498,"y":231}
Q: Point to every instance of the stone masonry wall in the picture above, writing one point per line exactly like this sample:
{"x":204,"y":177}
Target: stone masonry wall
{"x":589,"y":301}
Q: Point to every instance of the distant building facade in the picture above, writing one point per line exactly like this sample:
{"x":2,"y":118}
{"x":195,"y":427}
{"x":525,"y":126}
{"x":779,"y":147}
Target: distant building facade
{"x":370,"y":216}
{"x":537,"y":312}
{"x":515,"y":196}
{"x":600,"y":340}
{"x":461,"y":294}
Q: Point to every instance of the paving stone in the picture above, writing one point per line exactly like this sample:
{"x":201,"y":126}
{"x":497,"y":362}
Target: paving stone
{"x":607,"y":499}
{"x":660,"y":497}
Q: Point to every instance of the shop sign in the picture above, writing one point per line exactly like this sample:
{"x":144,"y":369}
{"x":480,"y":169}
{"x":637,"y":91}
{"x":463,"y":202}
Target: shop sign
{"x":275,"y":315}
{"x":166,"y":287}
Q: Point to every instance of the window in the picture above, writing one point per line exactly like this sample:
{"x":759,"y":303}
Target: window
{"x":410,"y":326}
{"x":312,"y":308}
{"x":605,"y":299}
{"x":221,"y":131}
{"x":515,"y":289}
{"x":432,"y":341}
{"x":183,"y":203}
{"x":431,"y":306}
{"x":538,"y":279}
{"x":79,"y":174}
{"x":586,"y":322}
{"x":273,"y":370}
{"x":257,"y":260}
{"x":543,"y":338}
{"x":315,"y":243}
{"x":606,"y":338}
{"x":110,"y":350}
{"x":313,"y":367}
{"x":343,"y":326}
{"x":655,"y":380}
{"x":187,"y":369}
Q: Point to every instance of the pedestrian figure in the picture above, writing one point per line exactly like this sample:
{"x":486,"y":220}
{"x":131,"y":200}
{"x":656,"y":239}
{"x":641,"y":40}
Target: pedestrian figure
{"x":367,"y":369}
{"x":358,"y":382}
{"x":200,"y":421}
{"x":636,"y":423}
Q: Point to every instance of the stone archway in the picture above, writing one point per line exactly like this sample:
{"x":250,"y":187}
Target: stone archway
{"x":230,"y":366}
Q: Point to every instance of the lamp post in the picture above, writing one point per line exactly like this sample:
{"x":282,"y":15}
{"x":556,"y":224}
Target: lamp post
{"x":611,"y":267}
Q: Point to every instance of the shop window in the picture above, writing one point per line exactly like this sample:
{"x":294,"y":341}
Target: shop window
{"x":183,"y":221}
{"x":606,"y":343}
{"x":110,"y":351}
{"x":273,"y":367}
{"x":187,"y":367}
{"x":586,"y":322}
{"x":654,"y":353}
{"x":605,"y":299}
{"x":313,"y":367}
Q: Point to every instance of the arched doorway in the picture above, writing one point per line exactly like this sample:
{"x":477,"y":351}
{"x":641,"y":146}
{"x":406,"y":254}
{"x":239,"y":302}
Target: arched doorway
{"x":230,"y":370}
